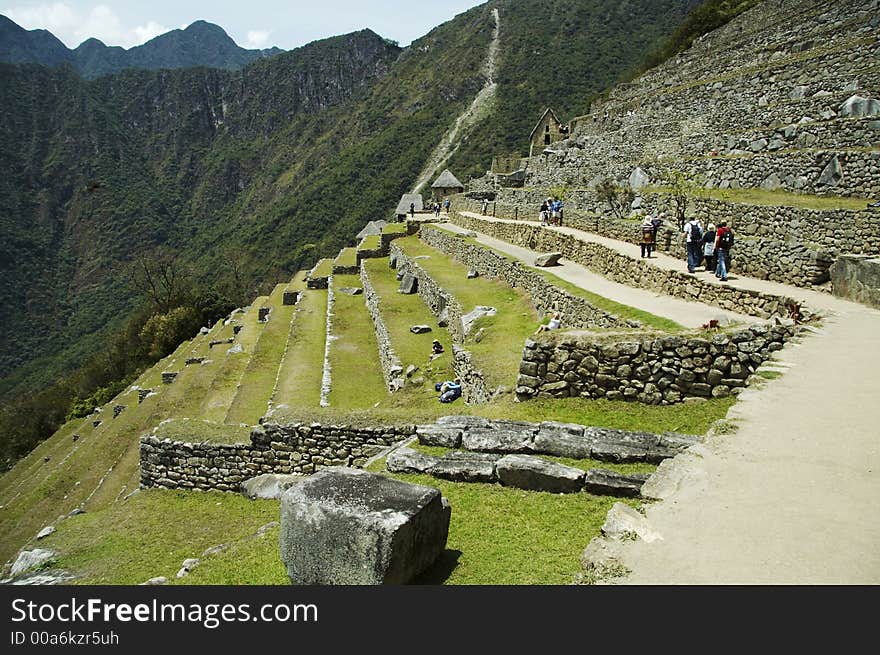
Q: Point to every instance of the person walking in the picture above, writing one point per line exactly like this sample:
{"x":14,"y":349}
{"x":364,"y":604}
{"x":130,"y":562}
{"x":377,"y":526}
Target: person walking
{"x":412,"y":209}
{"x":723,"y":244}
{"x":485,"y":206}
{"x":709,"y":247}
{"x":647,"y":236}
{"x":656,"y":222}
{"x":447,"y":204}
{"x":544,"y":212}
{"x":693,"y":237}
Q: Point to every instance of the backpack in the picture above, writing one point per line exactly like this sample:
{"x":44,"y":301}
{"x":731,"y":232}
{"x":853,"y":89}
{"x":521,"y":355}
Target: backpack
{"x":726,"y":239}
{"x":696,"y":232}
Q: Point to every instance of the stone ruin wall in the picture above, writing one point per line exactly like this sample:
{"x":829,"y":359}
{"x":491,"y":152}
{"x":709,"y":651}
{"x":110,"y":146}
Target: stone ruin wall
{"x":577,"y":312}
{"x":784,"y":244}
{"x":392,"y":369}
{"x":445,"y":307}
{"x":632,"y":272}
{"x":650,"y":369}
{"x":274,"y":448}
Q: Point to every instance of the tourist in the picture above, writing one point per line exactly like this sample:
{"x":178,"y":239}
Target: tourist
{"x":657,"y":221}
{"x":412,"y":209}
{"x":449,"y":390}
{"x":447,"y":204}
{"x":437,"y":209}
{"x":647,"y":236}
{"x":693,"y":237}
{"x":554,"y":323}
{"x":709,"y":247}
{"x":556,"y":211}
{"x":544,"y":212}
{"x":436,"y":347}
{"x":485,"y":206}
{"x":723,"y":244}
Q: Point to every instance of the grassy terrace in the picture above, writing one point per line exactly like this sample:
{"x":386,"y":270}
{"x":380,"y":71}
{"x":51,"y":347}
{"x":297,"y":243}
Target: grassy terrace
{"x":399,"y":312}
{"x":324,"y":268}
{"x":347,"y":258}
{"x":395,"y":228}
{"x":357,"y":381}
{"x":299,"y":376}
{"x":225,"y":383}
{"x":766,"y":198}
{"x":258,"y":381}
{"x":623,"y":311}
{"x":370,"y":242}
{"x":499,"y":351}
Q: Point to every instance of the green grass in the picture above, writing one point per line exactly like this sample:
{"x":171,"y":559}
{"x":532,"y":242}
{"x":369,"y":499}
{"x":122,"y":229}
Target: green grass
{"x":499,"y":352}
{"x":356,"y":374}
{"x":399,"y":312}
{"x":768,"y":375}
{"x":299,"y":377}
{"x":224,"y":386}
{"x":394,"y":228}
{"x":151,"y":533}
{"x":499,"y":535}
{"x":196,"y":430}
{"x":766,"y":198}
{"x":370,"y":242}
{"x":258,"y":381}
{"x":347,"y":258}
{"x":324,"y":268}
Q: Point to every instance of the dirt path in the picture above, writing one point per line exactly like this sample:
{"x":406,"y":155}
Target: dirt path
{"x":475,"y":112}
{"x":790,"y":497}
{"x":683,"y":312}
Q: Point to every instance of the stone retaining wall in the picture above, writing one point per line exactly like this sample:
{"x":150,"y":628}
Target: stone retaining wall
{"x":273,"y":449}
{"x":447,"y":309}
{"x":576,"y":311}
{"x":626,"y":270}
{"x":392,"y":368}
{"x":651,"y":369}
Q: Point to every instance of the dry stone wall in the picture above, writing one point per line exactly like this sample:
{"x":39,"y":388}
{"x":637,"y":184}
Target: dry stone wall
{"x":626,"y":270}
{"x":447,"y":310}
{"x":576,"y":311}
{"x":651,"y":369}
{"x":392,"y":368}
{"x":274,"y":448}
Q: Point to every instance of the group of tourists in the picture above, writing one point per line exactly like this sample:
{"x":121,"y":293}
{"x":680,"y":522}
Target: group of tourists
{"x":712,"y":245}
{"x":551,"y":211}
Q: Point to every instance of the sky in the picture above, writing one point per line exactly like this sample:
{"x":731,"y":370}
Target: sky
{"x":287,"y":24}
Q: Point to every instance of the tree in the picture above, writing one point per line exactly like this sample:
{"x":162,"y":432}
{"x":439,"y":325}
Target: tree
{"x":617,"y":198}
{"x":163,"y":279}
{"x":682,"y":188}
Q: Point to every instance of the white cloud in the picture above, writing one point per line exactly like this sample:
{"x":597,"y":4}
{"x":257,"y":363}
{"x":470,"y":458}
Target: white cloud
{"x":72,"y":27}
{"x":257,"y":39}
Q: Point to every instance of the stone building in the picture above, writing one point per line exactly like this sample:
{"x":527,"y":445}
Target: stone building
{"x":446,"y":185}
{"x":548,"y":130}
{"x":407,"y":201}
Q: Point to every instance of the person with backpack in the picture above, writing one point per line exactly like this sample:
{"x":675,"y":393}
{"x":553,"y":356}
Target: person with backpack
{"x":648,"y":237}
{"x":723,"y":244}
{"x":693,"y":237}
{"x":709,"y":247}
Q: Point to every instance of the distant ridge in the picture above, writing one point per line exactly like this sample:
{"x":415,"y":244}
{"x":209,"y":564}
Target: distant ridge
{"x":200,"y":44}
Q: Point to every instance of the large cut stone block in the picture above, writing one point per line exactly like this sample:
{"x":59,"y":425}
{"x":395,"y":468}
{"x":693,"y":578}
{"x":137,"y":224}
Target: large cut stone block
{"x":347,"y":526}
{"x":433,"y":435}
{"x":466,"y":467}
{"x":536,"y":474}
{"x":603,"y":482}
{"x":407,"y":460}
{"x":499,"y":439}
{"x":563,"y":440}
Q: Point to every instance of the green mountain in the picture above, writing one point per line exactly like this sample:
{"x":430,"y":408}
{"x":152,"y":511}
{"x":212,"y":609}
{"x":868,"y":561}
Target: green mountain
{"x":243,"y":177}
{"x":200,"y":44}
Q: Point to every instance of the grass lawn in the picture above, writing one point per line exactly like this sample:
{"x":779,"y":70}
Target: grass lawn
{"x":299,"y":377}
{"x":370,"y":242}
{"x":347,"y":258}
{"x":777,"y":198}
{"x":399,"y":312}
{"x":324,"y":268}
{"x":499,"y":535}
{"x":196,"y":430}
{"x":499,"y":351}
{"x":224,"y":386}
{"x":151,"y":533}
{"x":258,"y":381}
{"x":356,"y":374}
{"x":395,"y":228}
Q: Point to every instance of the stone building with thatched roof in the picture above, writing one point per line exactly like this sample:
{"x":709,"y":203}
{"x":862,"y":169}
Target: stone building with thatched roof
{"x":446,"y":185}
